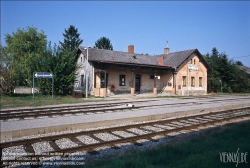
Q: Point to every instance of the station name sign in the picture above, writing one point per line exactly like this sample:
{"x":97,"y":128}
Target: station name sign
{"x":43,"y":75}
{"x":195,"y":68}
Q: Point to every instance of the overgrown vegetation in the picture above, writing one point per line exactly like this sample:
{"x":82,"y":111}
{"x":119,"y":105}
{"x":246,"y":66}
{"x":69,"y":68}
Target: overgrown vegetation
{"x":195,"y":152}
{"x":225,"y":75}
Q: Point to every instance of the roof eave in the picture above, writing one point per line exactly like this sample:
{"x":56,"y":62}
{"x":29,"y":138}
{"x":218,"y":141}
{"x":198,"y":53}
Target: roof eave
{"x":131,"y":63}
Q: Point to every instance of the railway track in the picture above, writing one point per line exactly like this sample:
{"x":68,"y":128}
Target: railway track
{"x":64,"y":110}
{"x":147,"y":131}
{"x":33,"y":113}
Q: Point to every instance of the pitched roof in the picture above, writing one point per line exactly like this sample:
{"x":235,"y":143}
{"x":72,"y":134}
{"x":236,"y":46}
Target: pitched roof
{"x":110,"y":56}
{"x":172,"y":60}
{"x":177,"y":58}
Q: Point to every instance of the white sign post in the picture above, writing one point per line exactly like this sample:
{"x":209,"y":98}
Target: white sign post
{"x":43,"y":75}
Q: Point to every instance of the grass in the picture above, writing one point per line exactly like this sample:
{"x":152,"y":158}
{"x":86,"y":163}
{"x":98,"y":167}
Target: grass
{"x":200,"y":152}
{"x":19,"y":100}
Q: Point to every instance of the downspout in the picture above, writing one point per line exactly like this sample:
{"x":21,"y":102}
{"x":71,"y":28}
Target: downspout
{"x":174,"y":79}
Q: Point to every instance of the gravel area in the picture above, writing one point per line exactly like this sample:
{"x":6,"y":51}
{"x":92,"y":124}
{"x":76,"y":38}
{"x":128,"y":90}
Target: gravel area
{"x":42,"y":117}
{"x":174,"y":125}
{"x":87,"y":140}
{"x":164,"y":126}
{"x":106,"y":136}
{"x":42,"y":147}
{"x":29,"y":118}
{"x":124,"y":134}
{"x":157,"y":129}
{"x":12,"y":152}
{"x":65,"y":143}
{"x":138,"y":131}
{"x":142,"y":141}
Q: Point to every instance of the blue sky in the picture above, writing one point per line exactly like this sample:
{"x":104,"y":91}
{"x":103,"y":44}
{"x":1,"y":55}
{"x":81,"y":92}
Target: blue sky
{"x":145,"y":24}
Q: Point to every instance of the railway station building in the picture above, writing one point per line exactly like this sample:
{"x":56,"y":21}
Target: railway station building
{"x":107,"y":72}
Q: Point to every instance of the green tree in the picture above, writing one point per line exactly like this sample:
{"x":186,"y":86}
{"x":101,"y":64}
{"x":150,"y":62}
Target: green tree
{"x":47,"y":64}
{"x":71,"y":39}
{"x":103,"y":43}
{"x":225,"y":70}
{"x":213,"y":78}
{"x":25,"y":49}
{"x":66,"y":60}
{"x":64,"y":71}
{"x":6,"y":70}
{"x":239,"y":63}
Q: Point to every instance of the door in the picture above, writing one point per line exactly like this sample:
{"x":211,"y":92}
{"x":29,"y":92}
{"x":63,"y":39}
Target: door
{"x":103,"y":82}
{"x":137,"y":83}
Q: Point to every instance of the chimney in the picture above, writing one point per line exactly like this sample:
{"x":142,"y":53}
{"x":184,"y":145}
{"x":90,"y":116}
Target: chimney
{"x":166,"y":50}
{"x":131,"y":49}
{"x":160,"y":60}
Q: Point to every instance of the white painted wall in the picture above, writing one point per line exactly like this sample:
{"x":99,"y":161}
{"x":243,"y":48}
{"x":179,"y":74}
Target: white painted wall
{"x":84,"y":68}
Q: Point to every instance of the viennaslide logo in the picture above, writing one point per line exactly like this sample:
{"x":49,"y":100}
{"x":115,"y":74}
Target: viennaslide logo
{"x":234,"y":157}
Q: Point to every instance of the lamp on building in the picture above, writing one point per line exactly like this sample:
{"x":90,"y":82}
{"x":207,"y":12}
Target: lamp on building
{"x":86,"y":74}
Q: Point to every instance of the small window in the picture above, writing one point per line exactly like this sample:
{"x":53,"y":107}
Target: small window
{"x":81,"y":59}
{"x":192,"y":81}
{"x":122,"y":80}
{"x":194,"y":61}
{"x":200,"y":81}
{"x":82,"y":80}
{"x":184,"y":79}
{"x":151,"y":76}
